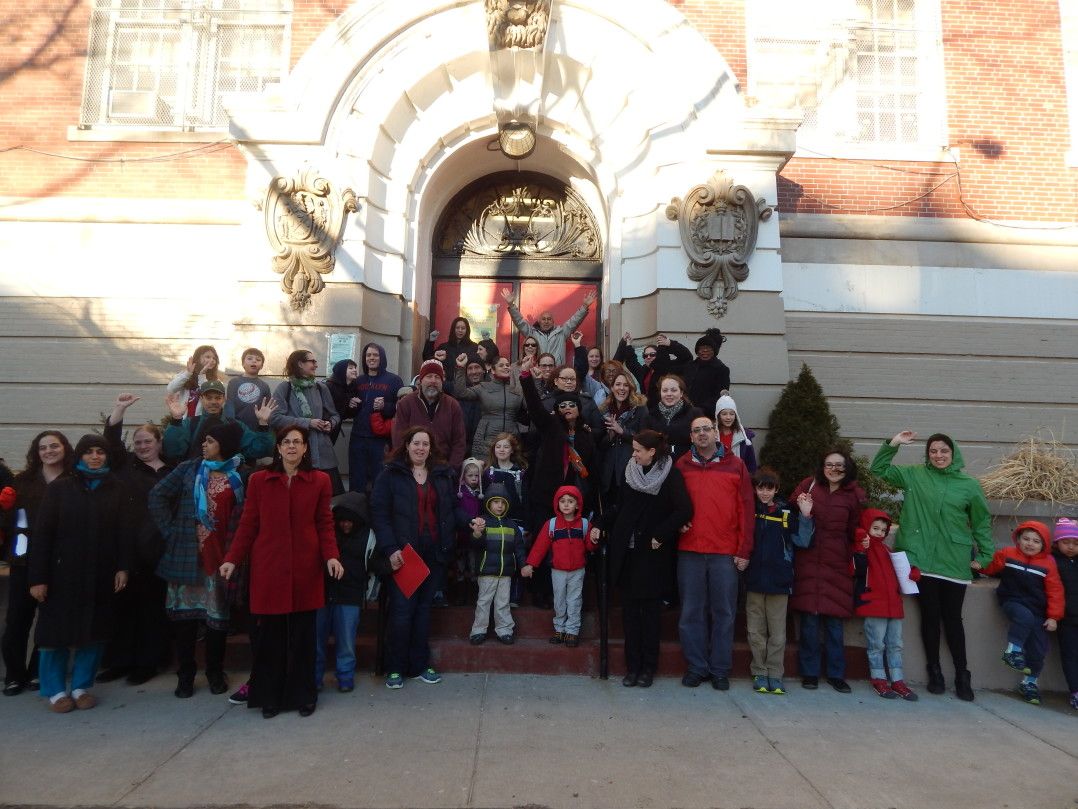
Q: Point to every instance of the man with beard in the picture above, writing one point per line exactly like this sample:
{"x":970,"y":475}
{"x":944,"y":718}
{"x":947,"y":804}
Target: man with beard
{"x":429,"y":407}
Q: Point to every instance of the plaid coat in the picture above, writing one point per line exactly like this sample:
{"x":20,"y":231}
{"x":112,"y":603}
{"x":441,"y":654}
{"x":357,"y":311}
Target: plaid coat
{"x":172,"y":506}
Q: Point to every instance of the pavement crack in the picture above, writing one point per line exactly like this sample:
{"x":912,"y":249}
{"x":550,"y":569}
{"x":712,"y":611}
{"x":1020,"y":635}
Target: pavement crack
{"x":747,"y":713}
{"x":153,"y":770}
{"x":1024,"y":730}
{"x":470,"y":800}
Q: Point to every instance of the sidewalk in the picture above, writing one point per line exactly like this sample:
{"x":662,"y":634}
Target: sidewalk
{"x":488,"y":740}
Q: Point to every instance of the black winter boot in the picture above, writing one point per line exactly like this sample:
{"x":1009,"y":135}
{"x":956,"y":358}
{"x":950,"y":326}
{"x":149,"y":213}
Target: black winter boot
{"x":962,"y":688}
{"x":936,"y":683}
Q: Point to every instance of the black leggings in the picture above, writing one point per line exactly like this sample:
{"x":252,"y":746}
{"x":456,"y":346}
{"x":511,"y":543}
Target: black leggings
{"x":941,"y":602}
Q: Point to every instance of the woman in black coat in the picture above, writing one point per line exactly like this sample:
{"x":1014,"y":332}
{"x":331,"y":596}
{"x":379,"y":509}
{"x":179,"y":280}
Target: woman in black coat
{"x":139,"y":643}
{"x":78,"y":561}
{"x":672,"y":414}
{"x":643,"y":544}
{"x":414,"y":503}
{"x":562,"y":436}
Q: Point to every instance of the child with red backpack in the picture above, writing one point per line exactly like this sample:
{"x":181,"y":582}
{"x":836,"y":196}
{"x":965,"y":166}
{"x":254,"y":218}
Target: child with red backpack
{"x":568,"y":534}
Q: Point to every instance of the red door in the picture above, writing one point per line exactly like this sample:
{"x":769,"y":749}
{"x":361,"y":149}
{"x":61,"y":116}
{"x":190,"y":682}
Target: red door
{"x":482,"y":303}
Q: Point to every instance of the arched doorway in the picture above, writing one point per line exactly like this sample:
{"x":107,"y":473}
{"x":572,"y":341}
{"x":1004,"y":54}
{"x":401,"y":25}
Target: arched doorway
{"x":519,"y":231}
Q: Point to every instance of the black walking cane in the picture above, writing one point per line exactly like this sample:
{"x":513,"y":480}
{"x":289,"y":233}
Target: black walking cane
{"x":604,"y":606}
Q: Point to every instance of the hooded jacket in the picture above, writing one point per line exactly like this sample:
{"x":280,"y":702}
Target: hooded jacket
{"x":876,"y":593}
{"x":1032,"y":581}
{"x":351,"y":588}
{"x":384,"y":383}
{"x":1068,"y":575}
{"x":779,"y":529}
{"x":569,"y":537}
{"x":944,"y":515}
{"x":501,"y":548}
{"x":741,"y":443}
{"x":499,"y":403}
{"x":342,"y":392}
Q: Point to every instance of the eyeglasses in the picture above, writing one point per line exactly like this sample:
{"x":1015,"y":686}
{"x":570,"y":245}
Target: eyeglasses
{"x":292,"y":442}
{"x":310,"y":359}
{"x":546,"y":365}
{"x":706,"y":428}
{"x":836,"y":466}
{"x":566,"y":405}
{"x":567,"y":378}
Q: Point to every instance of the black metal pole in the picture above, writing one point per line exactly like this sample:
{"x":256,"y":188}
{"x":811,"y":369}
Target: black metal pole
{"x":604,"y":614}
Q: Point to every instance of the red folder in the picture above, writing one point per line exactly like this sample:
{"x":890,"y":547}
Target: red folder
{"x":412,"y":573}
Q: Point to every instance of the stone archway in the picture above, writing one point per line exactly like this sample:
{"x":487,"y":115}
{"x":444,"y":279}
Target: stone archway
{"x":395,"y":101}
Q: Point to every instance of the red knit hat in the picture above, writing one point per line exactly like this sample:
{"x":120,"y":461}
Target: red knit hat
{"x":432,"y":367}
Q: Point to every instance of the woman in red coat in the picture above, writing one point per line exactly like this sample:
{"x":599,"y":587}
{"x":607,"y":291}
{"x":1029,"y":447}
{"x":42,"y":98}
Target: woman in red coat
{"x":823,"y":583}
{"x":287,"y":528}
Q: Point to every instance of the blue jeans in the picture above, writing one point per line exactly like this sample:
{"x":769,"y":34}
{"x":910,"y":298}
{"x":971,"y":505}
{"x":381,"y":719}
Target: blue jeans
{"x":884,"y":635}
{"x":53,"y":663}
{"x":408,"y":629}
{"x":708,"y":586}
{"x":342,"y":620}
{"x":365,"y":458}
{"x":808,"y":652}
{"x":1027,"y":632}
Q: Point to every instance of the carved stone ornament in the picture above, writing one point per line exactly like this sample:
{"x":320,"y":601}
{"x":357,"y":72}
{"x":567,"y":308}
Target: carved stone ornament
{"x":719,"y":224}
{"x":304,"y":223}
{"x":517,"y":23}
{"x":513,"y":219}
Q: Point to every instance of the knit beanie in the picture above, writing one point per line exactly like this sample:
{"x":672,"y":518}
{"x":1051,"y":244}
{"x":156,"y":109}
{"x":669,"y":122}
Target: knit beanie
{"x":1065,"y":528}
{"x":431,"y":367}
{"x":713,"y":338}
{"x":229,"y":435}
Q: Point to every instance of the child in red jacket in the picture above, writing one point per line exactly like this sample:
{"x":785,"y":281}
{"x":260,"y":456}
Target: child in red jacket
{"x":1031,"y":595}
{"x":568,"y":534}
{"x":878,"y":599}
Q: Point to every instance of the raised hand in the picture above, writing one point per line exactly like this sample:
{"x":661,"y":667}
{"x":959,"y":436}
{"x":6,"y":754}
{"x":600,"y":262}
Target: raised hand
{"x":527,"y":363}
{"x":577,"y":338}
{"x":440,"y":355}
{"x":265,"y":410}
{"x":904,"y":437}
{"x":662,"y":340}
{"x":434,"y":335}
{"x":507,"y":295}
{"x":590,"y":298}
{"x":125,"y":400}
{"x":628,"y":338}
{"x":462,"y":359}
{"x":176,"y":408}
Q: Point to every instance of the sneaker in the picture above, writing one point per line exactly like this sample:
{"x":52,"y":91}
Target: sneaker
{"x":692,"y":679}
{"x":1030,"y":693}
{"x":240,"y":696}
{"x":1074,"y":700}
{"x":13,"y":689}
{"x":429,"y":676}
{"x":557,"y":637}
{"x":477,"y":639}
{"x":903,"y":690}
{"x":1017,"y":661}
{"x":882,"y":688}
{"x":810,"y":682}
{"x":572,"y":641}
{"x":775,"y":686}
{"x":394,"y":681}
{"x":760,"y":684}
{"x":720,"y":683}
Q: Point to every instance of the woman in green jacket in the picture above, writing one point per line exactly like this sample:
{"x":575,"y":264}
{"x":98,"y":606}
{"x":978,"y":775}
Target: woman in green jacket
{"x":944,"y":518}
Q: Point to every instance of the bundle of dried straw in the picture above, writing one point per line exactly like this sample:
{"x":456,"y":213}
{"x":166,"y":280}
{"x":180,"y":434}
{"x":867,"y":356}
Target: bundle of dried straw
{"x":1041,"y":469}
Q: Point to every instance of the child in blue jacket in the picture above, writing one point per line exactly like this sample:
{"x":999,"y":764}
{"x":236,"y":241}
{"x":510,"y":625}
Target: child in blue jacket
{"x":769,"y":577}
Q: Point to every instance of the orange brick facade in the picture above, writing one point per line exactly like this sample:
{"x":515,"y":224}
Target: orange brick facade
{"x":1006,"y":112}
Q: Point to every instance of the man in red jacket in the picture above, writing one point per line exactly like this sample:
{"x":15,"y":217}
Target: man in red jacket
{"x":713,"y":549}
{"x":429,"y":407}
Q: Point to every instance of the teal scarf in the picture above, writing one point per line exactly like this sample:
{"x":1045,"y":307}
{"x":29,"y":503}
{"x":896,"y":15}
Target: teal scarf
{"x":202,"y":503}
{"x":300,"y":386}
{"x":91,"y":477}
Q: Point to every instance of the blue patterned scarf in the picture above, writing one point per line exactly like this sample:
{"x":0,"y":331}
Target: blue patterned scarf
{"x":202,"y":502}
{"x":91,"y":477}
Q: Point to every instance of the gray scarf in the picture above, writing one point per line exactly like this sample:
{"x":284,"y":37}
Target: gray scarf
{"x":651,"y":481}
{"x":668,"y":413}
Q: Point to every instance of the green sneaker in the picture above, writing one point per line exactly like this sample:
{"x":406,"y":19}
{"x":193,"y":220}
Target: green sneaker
{"x":430,"y":677}
{"x":1030,"y":693}
{"x":759,"y":684}
{"x":774,"y":686}
{"x":394,"y":681}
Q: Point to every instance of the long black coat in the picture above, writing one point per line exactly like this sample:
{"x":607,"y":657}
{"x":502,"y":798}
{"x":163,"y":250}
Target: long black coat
{"x":548,"y":473}
{"x":641,"y":571}
{"x":81,"y":539}
{"x":139,"y":479}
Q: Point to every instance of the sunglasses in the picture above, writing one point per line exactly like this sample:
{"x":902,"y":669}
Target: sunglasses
{"x":566,"y":405}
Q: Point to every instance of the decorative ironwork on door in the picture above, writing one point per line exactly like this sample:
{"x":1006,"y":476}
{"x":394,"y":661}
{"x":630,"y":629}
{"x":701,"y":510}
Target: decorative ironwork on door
{"x":519,"y":215}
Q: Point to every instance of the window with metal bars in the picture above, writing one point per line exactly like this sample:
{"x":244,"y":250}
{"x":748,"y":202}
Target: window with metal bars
{"x":860,"y":71}
{"x":169,"y":64}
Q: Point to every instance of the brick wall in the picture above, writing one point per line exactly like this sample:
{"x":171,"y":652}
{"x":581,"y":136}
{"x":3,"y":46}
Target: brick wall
{"x":1005,"y":97}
